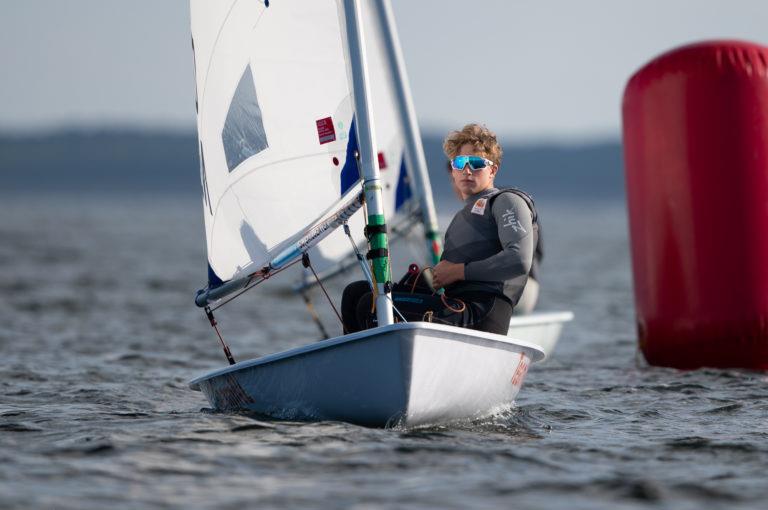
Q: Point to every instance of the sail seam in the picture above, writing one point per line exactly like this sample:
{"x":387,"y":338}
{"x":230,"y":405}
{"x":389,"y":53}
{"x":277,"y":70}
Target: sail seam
{"x":213,"y":48}
{"x":201,"y":98}
{"x":333,"y":209}
{"x":249,"y":172}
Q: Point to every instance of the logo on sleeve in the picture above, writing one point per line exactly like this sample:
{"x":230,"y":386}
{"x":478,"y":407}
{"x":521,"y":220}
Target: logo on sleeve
{"x":510,"y":220}
{"x":479,"y":207}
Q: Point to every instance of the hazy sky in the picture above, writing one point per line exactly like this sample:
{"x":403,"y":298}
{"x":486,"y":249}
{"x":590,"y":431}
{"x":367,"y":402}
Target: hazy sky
{"x":530,"y":69}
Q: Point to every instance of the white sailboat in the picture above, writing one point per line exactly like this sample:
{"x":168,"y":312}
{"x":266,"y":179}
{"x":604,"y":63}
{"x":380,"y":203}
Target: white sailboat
{"x":405,"y":374}
{"x":288,"y":154}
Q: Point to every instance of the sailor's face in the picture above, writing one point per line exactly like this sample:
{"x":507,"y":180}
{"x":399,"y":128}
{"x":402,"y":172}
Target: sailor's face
{"x":469,"y":182}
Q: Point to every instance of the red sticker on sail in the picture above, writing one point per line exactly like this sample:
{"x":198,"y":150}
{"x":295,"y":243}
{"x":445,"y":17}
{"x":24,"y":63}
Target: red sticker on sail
{"x":325,"y":130}
{"x":382,"y":161}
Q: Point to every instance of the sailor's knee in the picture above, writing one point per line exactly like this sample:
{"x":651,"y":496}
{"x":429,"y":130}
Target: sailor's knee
{"x":354,"y":290}
{"x":349,"y":300}
{"x":364,"y":310}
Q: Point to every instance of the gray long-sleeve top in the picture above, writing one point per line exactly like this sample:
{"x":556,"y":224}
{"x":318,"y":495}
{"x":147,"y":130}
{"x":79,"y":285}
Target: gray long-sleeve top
{"x":495,"y":243}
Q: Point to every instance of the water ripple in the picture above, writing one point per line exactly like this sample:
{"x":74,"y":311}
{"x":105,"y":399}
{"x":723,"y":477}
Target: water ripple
{"x":95,"y":410}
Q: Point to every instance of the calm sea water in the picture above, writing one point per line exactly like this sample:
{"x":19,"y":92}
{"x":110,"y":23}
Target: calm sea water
{"x":99,"y":336}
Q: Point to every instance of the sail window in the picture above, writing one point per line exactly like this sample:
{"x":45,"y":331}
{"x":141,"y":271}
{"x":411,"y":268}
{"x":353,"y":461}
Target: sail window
{"x":243,"y":135}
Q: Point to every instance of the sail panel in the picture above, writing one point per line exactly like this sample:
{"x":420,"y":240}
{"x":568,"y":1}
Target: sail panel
{"x":276,"y":126}
{"x":274,"y":117}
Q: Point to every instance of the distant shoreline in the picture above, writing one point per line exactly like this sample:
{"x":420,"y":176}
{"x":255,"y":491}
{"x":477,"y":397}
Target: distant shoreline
{"x":116,"y":160}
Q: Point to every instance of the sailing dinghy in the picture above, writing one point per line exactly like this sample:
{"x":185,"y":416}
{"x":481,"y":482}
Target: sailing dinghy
{"x":288,"y":152}
{"x":405,"y":374}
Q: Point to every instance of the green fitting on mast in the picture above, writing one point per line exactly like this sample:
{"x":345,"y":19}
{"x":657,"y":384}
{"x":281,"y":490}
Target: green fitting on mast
{"x":434,"y":247}
{"x":378,"y":249}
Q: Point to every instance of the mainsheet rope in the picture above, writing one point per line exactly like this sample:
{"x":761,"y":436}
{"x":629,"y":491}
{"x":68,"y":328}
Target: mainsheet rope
{"x":307,"y":263}
{"x":209,"y":310}
{"x":264,"y":277}
{"x":443,"y":297}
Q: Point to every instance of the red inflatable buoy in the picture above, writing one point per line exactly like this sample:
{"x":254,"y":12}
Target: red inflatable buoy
{"x":695,"y":126}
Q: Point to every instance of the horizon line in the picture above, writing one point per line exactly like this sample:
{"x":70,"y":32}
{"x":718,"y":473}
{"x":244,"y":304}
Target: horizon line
{"x":430,"y":131}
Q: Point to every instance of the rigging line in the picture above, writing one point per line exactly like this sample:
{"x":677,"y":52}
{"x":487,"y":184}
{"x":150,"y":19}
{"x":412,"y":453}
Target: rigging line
{"x":363,"y":265}
{"x":306,"y":262}
{"x":212,"y":319}
{"x":349,"y":260}
{"x":395,"y":309}
{"x":315,"y":316}
{"x":416,"y":280}
{"x":249,"y":286}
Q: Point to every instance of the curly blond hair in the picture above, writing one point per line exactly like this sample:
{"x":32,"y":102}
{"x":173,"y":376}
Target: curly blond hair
{"x":480,"y":137}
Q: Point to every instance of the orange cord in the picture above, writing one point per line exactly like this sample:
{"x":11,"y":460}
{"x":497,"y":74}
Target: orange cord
{"x":454,"y":310}
{"x":443,"y":297}
{"x":416,"y":280}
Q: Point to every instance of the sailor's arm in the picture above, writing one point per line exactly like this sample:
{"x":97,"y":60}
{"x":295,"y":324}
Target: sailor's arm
{"x":515,"y":229}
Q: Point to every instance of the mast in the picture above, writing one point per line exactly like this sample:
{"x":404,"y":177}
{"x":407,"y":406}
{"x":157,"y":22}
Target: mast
{"x":414,"y":151}
{"x":376,"y":225}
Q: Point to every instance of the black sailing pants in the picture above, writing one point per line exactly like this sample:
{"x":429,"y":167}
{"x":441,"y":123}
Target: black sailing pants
{"x":482,"y":311}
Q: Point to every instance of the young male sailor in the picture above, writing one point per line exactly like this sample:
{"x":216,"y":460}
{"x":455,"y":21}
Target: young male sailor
{"x":490,"y":242}
{"x":530,"y":295}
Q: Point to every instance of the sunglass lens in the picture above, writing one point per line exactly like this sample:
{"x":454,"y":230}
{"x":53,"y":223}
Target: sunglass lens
{"x":476,"y":162}
{"x":459,"y":162}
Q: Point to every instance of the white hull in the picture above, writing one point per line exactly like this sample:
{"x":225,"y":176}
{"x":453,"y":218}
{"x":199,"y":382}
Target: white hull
{"x":405,"y":374}
{"x":539,"y":328}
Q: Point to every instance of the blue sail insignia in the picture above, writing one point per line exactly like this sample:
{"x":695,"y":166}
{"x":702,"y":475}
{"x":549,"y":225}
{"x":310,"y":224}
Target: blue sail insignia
{"x":349,"y":172}
{"x":403,"y":191}
{"x":213,"y":279}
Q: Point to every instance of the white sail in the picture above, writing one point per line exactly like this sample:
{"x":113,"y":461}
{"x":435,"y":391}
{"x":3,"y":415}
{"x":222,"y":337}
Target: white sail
{"x":276,"y":128}
{"x":401,"y":198}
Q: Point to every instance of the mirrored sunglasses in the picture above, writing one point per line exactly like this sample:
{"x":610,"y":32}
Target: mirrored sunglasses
{"x":476,"y":163}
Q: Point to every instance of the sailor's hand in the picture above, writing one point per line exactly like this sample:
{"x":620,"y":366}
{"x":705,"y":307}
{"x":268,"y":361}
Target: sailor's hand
{"x":445,"y":273}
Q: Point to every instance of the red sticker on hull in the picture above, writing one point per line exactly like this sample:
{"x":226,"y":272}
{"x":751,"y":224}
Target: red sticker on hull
{"x":522,"y":369}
